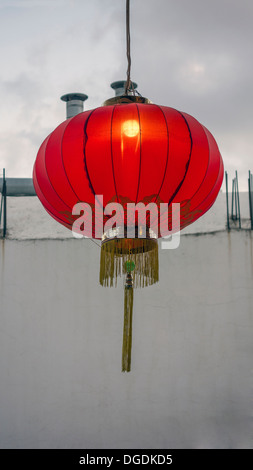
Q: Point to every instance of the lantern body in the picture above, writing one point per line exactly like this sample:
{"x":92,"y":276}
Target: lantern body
{"x":128,"y":153}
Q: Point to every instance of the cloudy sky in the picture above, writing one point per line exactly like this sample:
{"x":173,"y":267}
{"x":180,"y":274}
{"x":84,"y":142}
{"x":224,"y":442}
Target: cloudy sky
{"x":193,"y":55}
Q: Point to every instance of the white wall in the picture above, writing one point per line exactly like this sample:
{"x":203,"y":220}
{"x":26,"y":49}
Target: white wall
{"x":61,"y":384}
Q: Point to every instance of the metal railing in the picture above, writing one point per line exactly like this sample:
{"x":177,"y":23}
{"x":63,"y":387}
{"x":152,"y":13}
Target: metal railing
{"x":235,"y":210}
{"x":24,"y":187}
{"x":3,"y":206}
{"x":234,"y":218}
{"x":16,"y":187}
{"x":250,"y":186}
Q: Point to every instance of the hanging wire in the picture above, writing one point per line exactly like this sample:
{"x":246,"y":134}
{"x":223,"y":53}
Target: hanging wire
{"x":128,"y":84}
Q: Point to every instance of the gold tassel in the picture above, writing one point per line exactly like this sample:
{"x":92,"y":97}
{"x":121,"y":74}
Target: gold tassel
{"x":138,"y":260}
{"x":127,"y":331}
{"x":116,"y":252}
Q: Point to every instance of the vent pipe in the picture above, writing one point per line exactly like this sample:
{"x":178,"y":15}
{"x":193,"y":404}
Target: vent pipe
{"x":74,"y":103}
{"x":18,"y":186}
{"x":119,"y":87}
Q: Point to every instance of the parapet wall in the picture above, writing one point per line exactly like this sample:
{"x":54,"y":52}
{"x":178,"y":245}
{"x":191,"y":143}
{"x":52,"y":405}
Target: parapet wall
{"x":61,"y":338}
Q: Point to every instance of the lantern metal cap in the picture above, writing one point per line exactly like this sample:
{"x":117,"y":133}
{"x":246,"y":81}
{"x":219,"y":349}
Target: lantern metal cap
{"x":126,"y":99}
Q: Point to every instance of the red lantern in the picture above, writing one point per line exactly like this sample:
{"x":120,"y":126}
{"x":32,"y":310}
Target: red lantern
{"x":128,"y":153}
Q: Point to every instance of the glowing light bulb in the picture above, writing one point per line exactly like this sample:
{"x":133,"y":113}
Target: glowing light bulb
{"x":130,"y":128}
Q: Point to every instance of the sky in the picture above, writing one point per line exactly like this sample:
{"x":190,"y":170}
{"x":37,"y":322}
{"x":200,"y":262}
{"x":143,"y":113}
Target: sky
{"x":193,"y":55}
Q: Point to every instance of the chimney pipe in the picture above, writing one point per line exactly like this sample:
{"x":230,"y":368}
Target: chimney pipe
{"x":18,"y":187}
{"x":119,"y":87}
{"x":74,"y":103}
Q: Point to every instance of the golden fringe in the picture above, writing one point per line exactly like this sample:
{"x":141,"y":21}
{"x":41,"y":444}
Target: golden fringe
{"x":127,"y":331}
{"x":143,"y":252}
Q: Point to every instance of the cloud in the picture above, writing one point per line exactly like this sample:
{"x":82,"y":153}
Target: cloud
{"x":194,"y":56}
{"x":31,"y":3}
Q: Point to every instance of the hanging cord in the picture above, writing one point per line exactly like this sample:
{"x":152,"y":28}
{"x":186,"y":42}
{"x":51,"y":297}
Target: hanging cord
{"x":128,"y":84}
